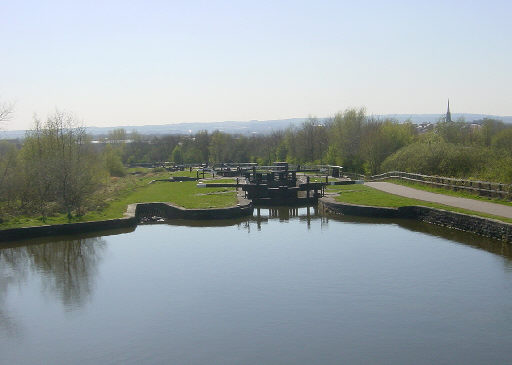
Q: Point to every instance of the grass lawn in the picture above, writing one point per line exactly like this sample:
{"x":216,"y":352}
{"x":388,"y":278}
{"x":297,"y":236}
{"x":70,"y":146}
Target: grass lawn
{"x":138,"y":190}
{"x":187,"y":173}
{"x":185,"y":194}
{"x":309,"y":173}
{"x":460,"y":194}
{"x":365,"y":195}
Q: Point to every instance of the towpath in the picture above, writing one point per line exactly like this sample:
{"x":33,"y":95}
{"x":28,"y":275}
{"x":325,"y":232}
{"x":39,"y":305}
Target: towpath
{"x":469,"y":204}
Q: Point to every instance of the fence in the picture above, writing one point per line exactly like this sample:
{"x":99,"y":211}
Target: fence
{"x":482,"y":188}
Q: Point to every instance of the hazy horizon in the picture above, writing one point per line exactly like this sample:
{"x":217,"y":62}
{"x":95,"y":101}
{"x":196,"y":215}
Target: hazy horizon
{"x":126,"y":63}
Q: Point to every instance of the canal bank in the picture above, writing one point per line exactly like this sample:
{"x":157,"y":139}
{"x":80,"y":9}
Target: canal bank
{"x":155,"y":211}
{"x":134,"y":214}
{"x":465,"y":222}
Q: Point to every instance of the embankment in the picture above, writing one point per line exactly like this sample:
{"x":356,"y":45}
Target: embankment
{"x":469,"y":223}
{"x":134,"y":213}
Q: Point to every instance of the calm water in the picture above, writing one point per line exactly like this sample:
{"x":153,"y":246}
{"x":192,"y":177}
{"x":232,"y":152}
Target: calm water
{"x":281,"y":288}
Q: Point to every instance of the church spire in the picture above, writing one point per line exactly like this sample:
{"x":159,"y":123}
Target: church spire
{"x":448,"y":114}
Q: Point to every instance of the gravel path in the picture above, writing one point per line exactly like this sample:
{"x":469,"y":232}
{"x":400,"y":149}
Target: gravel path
{"x":470,"y":204}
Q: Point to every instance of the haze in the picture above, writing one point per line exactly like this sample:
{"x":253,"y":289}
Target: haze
{"x":155,"y":62}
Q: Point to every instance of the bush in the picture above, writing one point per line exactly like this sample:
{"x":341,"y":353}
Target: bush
{"x":113,"y":162}
{"x":447,"y":159}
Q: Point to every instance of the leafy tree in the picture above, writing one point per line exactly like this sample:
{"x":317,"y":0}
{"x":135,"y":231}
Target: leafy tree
{"x":177,"y":155}
{"x":345,"y":135}
{"x":503,"y":140}
{"x":113,"y":161}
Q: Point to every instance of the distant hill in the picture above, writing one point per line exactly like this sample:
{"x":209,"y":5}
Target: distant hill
{"x":254,"y":126}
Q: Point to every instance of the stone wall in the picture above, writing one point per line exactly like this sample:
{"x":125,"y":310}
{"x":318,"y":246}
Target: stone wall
{"x":169,"y":211}
{"x":469,"y":223}
{"x":65,"y":229}
{"x":482,"y":226}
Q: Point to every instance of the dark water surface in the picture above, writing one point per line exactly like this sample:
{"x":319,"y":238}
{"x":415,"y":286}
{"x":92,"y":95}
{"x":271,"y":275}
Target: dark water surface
{"x":282,"y":288}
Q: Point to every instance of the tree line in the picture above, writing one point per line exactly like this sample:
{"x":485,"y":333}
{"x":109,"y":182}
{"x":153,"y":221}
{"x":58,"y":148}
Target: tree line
{"x":346,"y":139}
{"x":352,"y":139}
{"x":57,"y":167}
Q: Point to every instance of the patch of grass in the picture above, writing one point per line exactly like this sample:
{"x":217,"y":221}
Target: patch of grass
{"x":309,"y":173}
{"x":142,"y":170}
{"x":364,"y":195}
{"x":184,"y":194}
{"x":222,"y":181}
{"x":460,"y":194}
{"x":187,"y":173}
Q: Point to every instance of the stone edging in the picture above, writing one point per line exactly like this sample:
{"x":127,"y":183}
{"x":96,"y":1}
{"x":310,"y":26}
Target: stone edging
{"x":13,"y":234}
{"x":131,"y":218}
{"x":469,"y":223}
{"x":170,"y":211}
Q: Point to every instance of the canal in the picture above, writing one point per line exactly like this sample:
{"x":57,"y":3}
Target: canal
{"x":286,"y":286}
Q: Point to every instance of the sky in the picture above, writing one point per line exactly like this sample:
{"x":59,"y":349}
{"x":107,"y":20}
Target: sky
{"x":158,"y":62}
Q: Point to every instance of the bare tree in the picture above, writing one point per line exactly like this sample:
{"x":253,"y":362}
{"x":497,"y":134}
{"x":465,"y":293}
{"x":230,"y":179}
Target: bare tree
{"x":6,"y":110}
{"x":61,"y":167}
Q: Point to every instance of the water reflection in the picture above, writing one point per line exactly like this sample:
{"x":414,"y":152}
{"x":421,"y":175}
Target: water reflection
{"x":312,"y":215}
{"x":68,"y":269}
{"x":13,"y":271}
{"x":496,"y":247}
{"x":317,"y":287}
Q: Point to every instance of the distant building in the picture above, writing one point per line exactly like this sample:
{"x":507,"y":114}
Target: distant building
{"x":448,"y":114}
{"x":424,"y":127}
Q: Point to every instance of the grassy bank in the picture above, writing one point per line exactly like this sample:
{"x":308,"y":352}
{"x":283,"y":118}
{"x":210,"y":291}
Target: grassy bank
{"x":365,"y":195}
{"x":459,"y":194}
{"x":111,"y":202}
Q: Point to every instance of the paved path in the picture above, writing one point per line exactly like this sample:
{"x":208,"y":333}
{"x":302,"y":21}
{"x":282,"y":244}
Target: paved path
{"x":469,"y":204}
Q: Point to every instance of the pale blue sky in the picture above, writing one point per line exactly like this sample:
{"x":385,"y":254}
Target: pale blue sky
{"x":155,"y":62}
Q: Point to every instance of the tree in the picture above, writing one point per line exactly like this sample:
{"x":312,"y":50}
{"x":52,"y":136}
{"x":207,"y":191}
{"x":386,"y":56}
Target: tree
{"x":117,"y":136}
{"x":503,"y":140}
{"x":379,"y":139}
{"x":221,"y":147}
{"x":490,"y":128}
{"x":345,"y":135}
{"x":60,"y":165}
{"x":311,"y":141}
{"x":6,"y":110}
{"x":177,"y":155}
{"x":113,"y":161}
{"x":9,"y":175}
{"x":202,"y":140}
